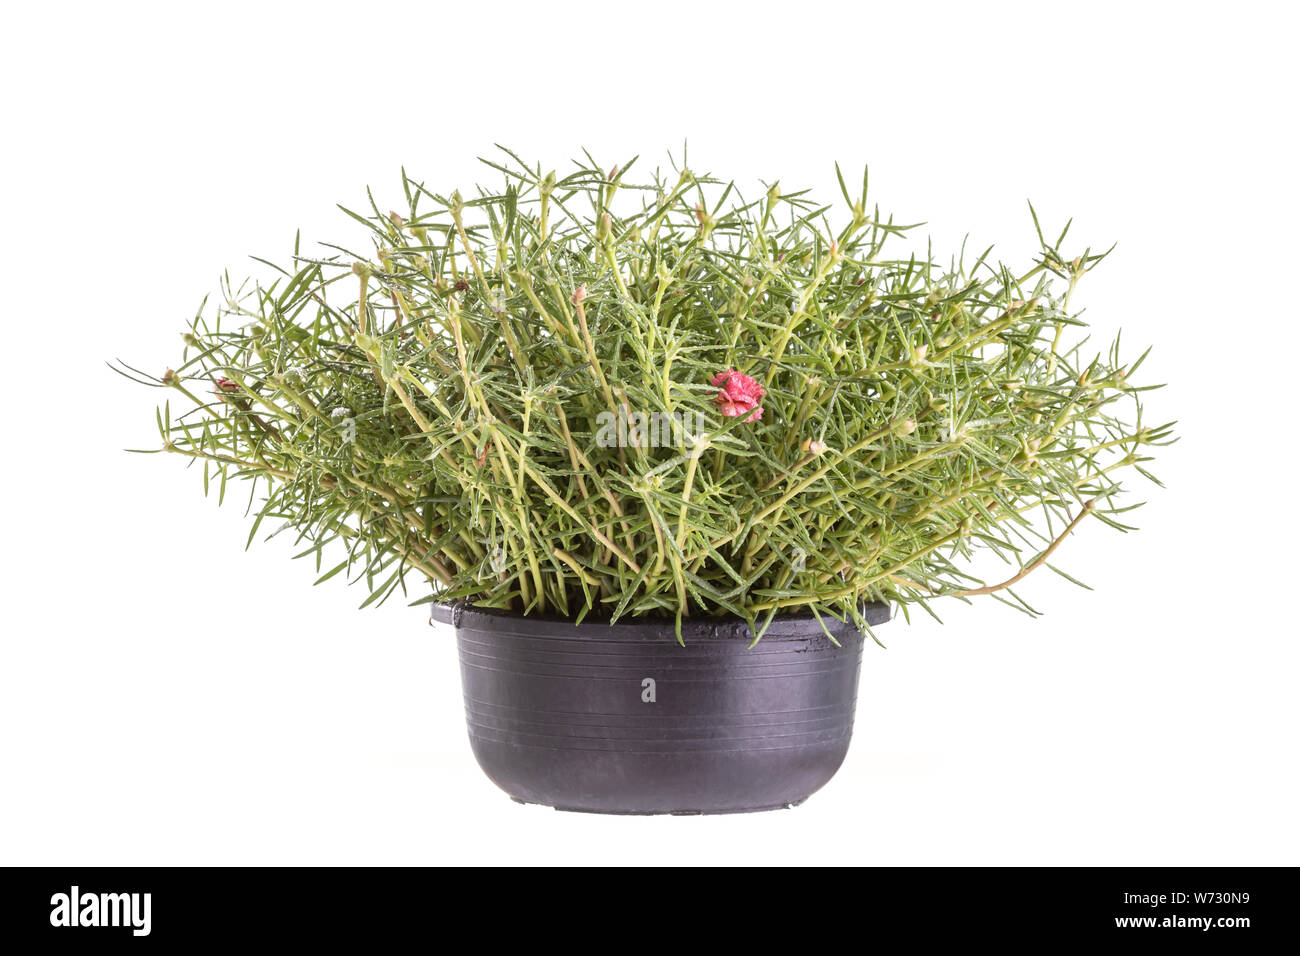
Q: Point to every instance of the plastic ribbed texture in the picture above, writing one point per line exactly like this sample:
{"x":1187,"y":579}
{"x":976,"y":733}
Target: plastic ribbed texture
{"x":622,"y":719}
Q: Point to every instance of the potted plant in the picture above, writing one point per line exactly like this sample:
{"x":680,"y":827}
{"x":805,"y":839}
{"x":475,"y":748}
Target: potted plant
{"x":662,"y":454}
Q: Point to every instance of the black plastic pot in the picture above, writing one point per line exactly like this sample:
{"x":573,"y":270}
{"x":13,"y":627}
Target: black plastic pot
{"x":622,"y":719}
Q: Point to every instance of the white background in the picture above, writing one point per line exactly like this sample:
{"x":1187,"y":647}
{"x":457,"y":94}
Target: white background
{"x":167,"y":698}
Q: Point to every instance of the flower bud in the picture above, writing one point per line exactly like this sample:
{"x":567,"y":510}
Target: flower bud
{"x":773,"y":194}
{"x":812,"y":446}
{"x":362,"y":269}
{"x":170,"y":377}
{"x":905,"y":427}
{"x":705,"y":219}
{"x":579,"y":294}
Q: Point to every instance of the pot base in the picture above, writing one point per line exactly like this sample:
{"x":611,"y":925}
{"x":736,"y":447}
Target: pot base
{"x":664,"y":813}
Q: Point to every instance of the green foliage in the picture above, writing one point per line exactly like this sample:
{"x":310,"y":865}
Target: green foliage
{"x":434,"y":403}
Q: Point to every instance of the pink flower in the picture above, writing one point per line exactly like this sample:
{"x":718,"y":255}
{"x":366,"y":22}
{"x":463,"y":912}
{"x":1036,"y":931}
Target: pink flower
{"x":740,"y":395}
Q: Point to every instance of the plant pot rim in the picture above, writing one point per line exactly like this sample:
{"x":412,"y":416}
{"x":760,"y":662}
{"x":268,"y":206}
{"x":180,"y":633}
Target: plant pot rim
{"x":798,"y":624}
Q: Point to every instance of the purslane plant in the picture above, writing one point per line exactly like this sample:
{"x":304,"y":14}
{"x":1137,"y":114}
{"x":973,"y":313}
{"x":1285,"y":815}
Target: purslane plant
{"x":583,"y":394}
